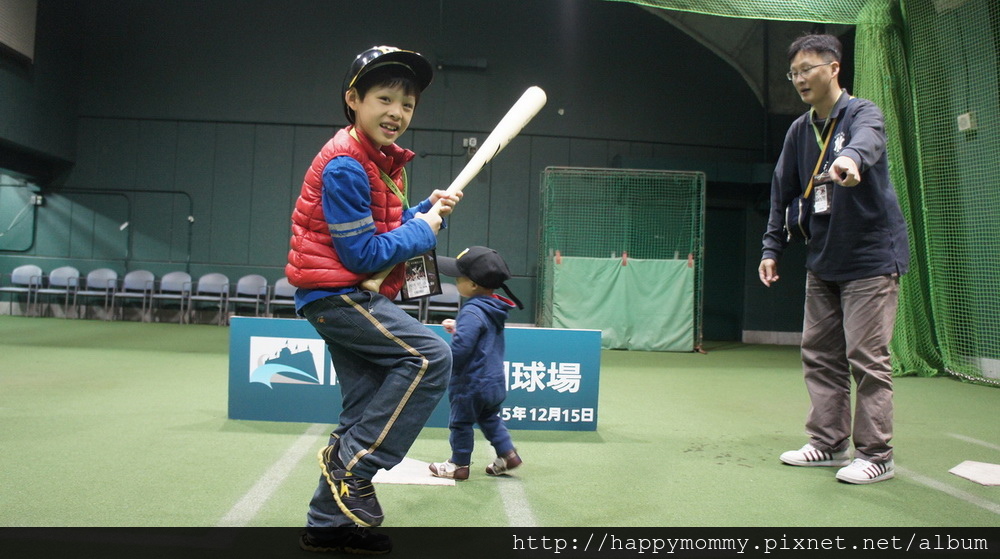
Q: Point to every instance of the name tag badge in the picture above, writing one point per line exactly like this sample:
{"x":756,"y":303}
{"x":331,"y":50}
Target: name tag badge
{"x":821,"y":199}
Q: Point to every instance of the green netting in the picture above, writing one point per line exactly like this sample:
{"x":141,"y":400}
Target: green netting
{"x":880,"y":45}
{"x":932,"y":66}
{"x":819,"y":11}
{"x":953,"y":303}
{"x":601,"y":217}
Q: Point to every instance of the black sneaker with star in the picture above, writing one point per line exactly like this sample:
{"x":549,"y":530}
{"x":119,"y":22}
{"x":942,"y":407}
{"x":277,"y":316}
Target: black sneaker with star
{"x":354,"y":495}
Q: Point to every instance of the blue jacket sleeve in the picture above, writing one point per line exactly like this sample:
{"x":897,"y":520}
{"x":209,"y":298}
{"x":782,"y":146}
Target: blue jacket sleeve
{"x":469,"y":328}
{"x":347,"y":209}
{"x":867,"y":134}
{"x":784,"y":188}
{"x":421,"y":208}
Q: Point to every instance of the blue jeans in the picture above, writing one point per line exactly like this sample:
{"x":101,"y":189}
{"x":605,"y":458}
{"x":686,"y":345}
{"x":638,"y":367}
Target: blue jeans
{"x":468,"y":410}
{"x":392,"y":372}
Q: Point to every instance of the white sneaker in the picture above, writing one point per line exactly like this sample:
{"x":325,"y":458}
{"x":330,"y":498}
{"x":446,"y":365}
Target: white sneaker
{"x":448,"y":470}
{"x":862,"y":471}
{"x":809,"y":456}
{"x":505,"y":463}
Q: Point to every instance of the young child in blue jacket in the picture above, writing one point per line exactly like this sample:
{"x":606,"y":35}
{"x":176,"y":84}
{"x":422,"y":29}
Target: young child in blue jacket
{"x":478,"y":385}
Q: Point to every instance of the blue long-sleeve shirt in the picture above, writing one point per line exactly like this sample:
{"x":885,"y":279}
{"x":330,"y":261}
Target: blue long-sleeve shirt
{"x":347,"y":208}
{"x":864,"y":235}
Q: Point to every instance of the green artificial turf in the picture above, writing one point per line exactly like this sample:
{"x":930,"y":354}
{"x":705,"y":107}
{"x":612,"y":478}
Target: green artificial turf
{"x":124,"y":424}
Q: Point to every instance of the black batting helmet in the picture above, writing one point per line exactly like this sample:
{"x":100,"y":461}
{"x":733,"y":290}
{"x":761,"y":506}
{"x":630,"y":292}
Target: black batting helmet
{"x":377,"y":57}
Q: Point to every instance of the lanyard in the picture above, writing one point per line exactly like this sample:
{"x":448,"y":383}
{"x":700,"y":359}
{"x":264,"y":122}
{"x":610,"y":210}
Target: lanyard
{"x":831,"y":125}
{"x":819,"y":133}
{"x":816,"y":131}
{"x":812,"y":121}
{"x":395,"y":189}
{"x":388,"y":180}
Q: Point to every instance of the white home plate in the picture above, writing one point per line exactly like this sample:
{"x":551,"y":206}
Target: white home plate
{"x":979,"y":472}
{"x":410,"y":472}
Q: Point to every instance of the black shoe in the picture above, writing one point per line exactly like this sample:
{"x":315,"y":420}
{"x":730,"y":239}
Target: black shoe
{"x":359,"y":541}
{"x":354,"y":495}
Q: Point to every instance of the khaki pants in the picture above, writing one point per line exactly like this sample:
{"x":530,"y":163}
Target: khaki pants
{"x":846,"y":334}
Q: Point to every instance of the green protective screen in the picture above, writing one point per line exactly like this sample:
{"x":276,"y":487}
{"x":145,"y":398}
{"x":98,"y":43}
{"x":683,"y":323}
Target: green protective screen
{"x":622,"y":252}
{"x":637,"y":304}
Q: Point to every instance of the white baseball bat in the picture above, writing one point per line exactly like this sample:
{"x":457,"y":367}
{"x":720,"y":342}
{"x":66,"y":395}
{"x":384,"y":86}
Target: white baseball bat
{"x":519,"y":115}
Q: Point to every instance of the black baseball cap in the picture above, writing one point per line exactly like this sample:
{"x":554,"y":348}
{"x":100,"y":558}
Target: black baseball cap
{"x":380,"y":56}
{"x":482,"y":265}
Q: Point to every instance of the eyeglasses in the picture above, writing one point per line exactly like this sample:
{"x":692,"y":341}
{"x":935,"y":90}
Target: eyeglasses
{"x":805,"y":71}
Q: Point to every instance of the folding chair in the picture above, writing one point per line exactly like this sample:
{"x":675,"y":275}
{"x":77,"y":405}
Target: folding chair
{"x":250,"y":290}
{"x":174,"y":287}
{"x":213,"y":289}
{"x":24,"y":280}
{"x":136,"y":285}
{"x":282,"y":296}
{"x":100,"y":283}
{"x":62,"y":281}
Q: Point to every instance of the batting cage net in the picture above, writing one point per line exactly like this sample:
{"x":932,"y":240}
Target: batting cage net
{"x":947,"y":148}
{"x":932,"y":66}
{"x":621,"y":251}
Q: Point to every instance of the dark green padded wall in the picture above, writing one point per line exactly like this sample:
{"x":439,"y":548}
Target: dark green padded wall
{"x":185,"y":109}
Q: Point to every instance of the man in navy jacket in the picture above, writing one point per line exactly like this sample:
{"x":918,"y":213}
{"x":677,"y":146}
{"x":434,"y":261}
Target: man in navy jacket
{"x":857,"y":251}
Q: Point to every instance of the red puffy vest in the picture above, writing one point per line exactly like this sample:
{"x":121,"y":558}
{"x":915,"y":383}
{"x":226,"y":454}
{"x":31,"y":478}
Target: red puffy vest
{"x":313,"y":262}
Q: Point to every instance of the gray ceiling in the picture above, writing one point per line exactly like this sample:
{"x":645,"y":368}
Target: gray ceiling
{"x":755,"y":48}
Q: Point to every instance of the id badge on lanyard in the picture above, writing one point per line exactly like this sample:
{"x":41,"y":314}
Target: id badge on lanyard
{"x":822,"y":183}
{"x":822,"y":194}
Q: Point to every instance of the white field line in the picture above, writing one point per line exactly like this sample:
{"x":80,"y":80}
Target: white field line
{"x":515,"y":499}
{"x":244,"y":511}
{"x":956,"y":493}
{"x":516,"y":505}
{"x":975,"y":441}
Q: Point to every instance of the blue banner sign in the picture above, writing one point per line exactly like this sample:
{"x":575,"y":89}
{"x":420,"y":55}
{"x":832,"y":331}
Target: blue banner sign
{"x":280,"y":370}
